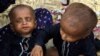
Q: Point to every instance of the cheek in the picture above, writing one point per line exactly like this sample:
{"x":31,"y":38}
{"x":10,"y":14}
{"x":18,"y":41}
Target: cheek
{"x":32,"y":25}
{"x":63,"y":37}
{"x":18,"y":27}
{"x":68,"y":39}
{"x":62,"y":34}
{"x":71,"y":39}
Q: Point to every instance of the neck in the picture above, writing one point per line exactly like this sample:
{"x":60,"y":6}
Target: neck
{"x":27,"y":35}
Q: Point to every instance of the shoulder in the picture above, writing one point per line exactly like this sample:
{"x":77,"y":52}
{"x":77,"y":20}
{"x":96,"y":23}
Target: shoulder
{"x":5,"y":28}
{"x":55,"y":28}
{"x":4,"y":32}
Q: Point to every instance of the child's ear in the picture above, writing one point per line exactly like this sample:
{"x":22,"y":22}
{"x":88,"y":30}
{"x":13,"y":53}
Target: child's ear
{"x":11,"y":26}
{"x":63,"y":35}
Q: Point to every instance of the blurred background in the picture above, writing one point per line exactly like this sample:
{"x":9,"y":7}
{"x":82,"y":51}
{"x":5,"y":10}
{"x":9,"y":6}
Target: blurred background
{"x":55,"y":7}
{"x":50,"y":5}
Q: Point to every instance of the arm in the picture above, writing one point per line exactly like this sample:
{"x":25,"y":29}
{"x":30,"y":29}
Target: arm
{"x":42,"y":38}
{"x":4,"y":43}
{"x":5,"y":48}
{"x":45,"y":35}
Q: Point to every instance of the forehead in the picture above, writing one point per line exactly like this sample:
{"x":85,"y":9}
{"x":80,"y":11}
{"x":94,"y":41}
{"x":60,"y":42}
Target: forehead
{"x":22,"y":10}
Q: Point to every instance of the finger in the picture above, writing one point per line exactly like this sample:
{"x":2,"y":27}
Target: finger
{"x":38,"y":52}
{"x":41,"y":53}
{"x":31,"y":54}
{"x":35,"y":54}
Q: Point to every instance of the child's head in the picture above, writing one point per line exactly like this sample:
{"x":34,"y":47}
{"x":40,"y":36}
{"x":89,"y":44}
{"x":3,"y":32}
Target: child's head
{"x":22,"y":19}
{"x":77,"y":22}
{"x":52,"y":52}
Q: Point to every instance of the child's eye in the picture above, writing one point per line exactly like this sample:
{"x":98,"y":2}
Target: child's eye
{"x":28,"y":19}
{"x":18,"y":21}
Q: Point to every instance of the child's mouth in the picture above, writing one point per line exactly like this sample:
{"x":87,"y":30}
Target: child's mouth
{"x":25,"y":28}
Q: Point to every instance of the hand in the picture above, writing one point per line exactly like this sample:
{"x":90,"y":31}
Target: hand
{"x":37,"y":51}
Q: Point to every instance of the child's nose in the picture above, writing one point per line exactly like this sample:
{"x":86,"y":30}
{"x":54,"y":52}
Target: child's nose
{"x":24,"y":22}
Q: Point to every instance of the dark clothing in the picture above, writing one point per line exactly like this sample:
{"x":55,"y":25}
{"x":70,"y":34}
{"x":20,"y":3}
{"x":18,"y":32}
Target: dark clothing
{"x":12,"y":44}
{"x":4,"y":4}
{"x":97,"y":44}
{"x":83,"y":46}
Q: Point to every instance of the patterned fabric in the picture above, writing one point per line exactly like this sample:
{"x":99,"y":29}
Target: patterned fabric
{"x":44,"y":18}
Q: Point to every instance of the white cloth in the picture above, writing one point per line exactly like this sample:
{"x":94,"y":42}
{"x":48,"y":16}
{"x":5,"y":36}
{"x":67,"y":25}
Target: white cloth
{"x":63,"y":1}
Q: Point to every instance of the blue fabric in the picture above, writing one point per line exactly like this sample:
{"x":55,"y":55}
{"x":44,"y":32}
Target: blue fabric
{"x":43,"y":17}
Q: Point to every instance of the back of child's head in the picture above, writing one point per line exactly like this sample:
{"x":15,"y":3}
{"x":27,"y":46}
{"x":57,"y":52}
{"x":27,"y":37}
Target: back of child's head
{"x":78,"y":20}
{"x":12,"y":12}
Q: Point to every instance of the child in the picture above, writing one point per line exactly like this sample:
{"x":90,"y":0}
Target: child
{"x":18,"y":38}
{"x":73,"y":36}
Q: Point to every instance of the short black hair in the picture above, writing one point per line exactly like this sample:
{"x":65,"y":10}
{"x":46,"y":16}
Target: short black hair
{"x":82,"y":13}
{"x":12,"y":11}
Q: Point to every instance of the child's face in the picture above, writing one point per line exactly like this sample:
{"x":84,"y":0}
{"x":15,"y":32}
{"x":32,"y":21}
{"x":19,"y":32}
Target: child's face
{"x":70,"y":38}
{"x":72,"y":33}
{"x":23,"y":21}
